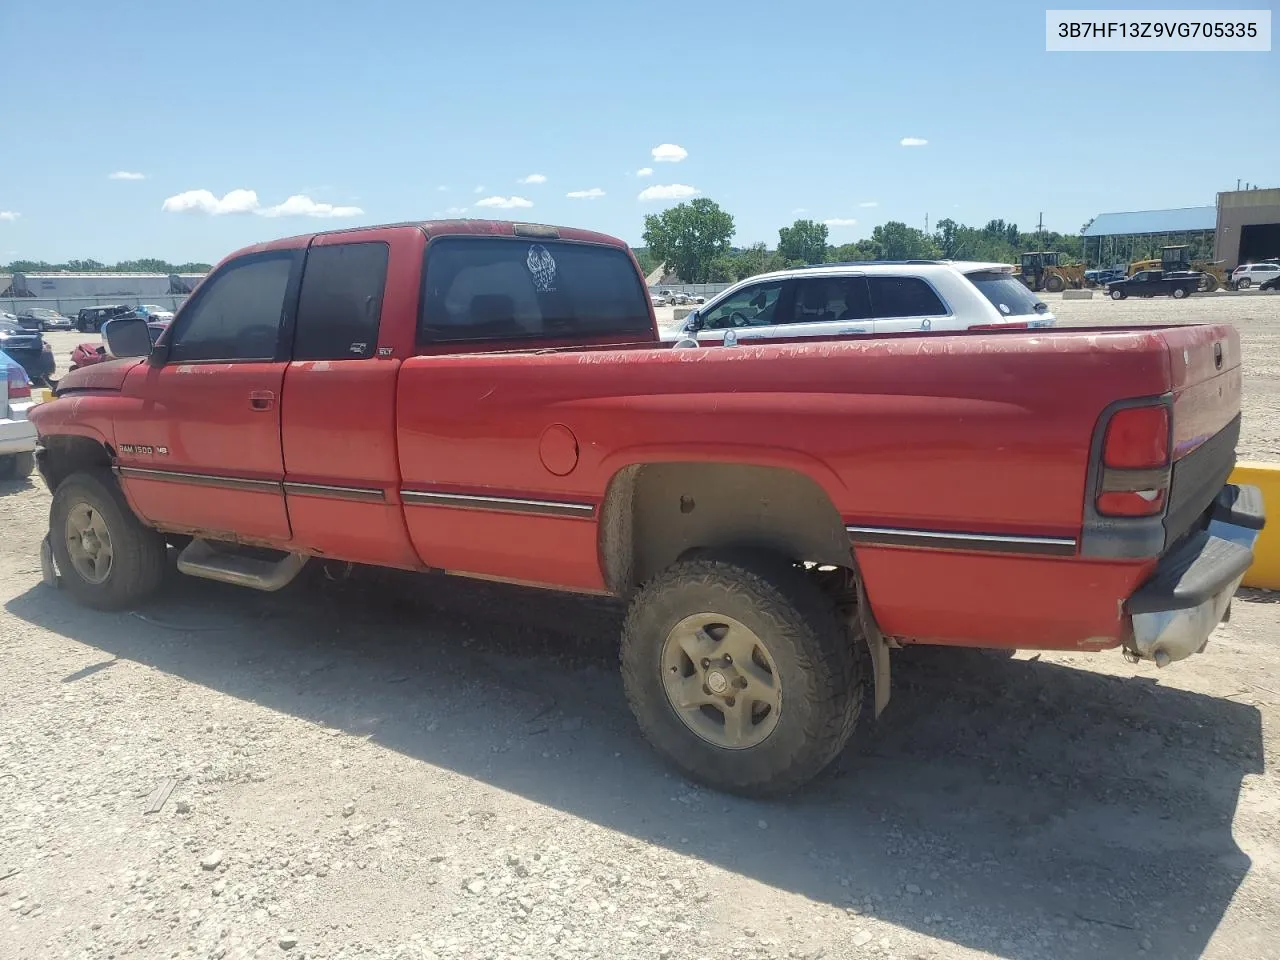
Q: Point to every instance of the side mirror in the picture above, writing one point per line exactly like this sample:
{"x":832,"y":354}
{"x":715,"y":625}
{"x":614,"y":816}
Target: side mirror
{"x":127,"y":337}
{"x":693,"y":322}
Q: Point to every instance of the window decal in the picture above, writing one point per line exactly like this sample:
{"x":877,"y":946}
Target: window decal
{"x":543,"y":268}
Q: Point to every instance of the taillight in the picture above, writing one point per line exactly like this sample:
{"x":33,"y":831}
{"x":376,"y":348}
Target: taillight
{"x":1135,"y":461}
{"x":19,"y":389}
{"x":1137,"y":438}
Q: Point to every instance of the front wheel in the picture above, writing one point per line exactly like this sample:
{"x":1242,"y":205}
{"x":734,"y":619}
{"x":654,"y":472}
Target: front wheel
{"x":17,"y":466}
{"x":741,"y":672}
{"x":1179,"y":292}
{"x":107,"y":558}
{"x":1054,"y":283}
{"x":1117,"y":294}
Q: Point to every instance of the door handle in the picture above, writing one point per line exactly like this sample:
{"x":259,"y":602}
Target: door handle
{"x":262,"y":400}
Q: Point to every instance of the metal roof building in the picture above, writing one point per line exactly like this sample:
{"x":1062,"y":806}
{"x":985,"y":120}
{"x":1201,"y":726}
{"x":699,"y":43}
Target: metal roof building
{"x":1138,"y":234}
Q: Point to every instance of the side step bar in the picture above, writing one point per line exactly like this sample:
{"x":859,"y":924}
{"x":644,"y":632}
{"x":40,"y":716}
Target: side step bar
{"x":201,"y":559}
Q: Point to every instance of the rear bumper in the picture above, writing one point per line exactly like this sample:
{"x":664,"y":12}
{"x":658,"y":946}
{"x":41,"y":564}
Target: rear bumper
{"x":1174,"y":612}
{"x":16,"y":436}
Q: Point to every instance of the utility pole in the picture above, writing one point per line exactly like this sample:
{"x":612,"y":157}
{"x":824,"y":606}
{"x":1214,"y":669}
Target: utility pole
{"x":1040,"y":232}
{"x":926,"y":223}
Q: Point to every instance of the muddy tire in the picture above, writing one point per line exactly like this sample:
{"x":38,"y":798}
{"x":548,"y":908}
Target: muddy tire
{"x":740,"y":671}
{"x":107,"y":558}
{"x":17,"y":466}
{"x":1054,"y":283}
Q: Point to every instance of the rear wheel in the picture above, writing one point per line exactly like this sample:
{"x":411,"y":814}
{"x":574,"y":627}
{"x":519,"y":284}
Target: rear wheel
{"x":17,"y":466}
{"x":108,"y":559}
{"x":1244,"y":283}
{"x":1054,"y":283}
{"x":741,"y":672}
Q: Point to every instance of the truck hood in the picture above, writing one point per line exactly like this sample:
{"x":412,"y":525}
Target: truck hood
{"x":100,"y":376}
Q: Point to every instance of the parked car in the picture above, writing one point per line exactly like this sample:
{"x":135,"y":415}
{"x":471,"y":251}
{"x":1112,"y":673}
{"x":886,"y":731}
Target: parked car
{"x":1271,"y":284}
{"x":42,"y":318}
{"x":29,"y":349}
{"x":1253,"y":274}
{"x":87,"y":354}
{"x":1150,"y":283}
{"x":152,"y":312}
{"x":17,"y":433}
{"x":868,"y":298}
{"x":657,"y":299}
{"x":91,"y":319}
{"x":1104,"y":275}
{"x":771,"y":512}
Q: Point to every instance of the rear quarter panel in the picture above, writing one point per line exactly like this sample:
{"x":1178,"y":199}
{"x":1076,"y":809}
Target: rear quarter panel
{"x":970,"y":433}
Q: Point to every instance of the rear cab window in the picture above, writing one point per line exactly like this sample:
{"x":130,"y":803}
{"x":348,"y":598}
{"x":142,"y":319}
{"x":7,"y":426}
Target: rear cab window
{"x":341,"y":301}
{"x":1007,"y":294}
{"x":514,"y":288}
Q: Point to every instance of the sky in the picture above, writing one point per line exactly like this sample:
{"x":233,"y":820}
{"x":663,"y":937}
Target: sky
{"x":152,"y":131}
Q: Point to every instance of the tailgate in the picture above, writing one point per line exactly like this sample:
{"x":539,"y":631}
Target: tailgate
{"x":1204,"y":376}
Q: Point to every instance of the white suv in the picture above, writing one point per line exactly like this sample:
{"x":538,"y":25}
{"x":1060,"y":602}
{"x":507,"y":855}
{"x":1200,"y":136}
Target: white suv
{"x":841,"y":299}
{"x":1250,"y":274}
{"x":17,"y":434}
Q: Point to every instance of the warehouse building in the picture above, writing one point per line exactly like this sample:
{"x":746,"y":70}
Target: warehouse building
{"x":1138,"y":235}
{"x":1248,"y":226}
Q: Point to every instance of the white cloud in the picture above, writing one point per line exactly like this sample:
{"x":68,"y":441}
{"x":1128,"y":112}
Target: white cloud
{"x":533,"y":178}
{"x":912,"y":142}
{"x":478,"y":190}
{"x":455,"y":211}
{"x":869,"y":203}
{"x":591,"y":194}
{"x":126,"y":175}
{"x":9,"y":215}
{"x":246,"y":201}
{"x":504,"y":203}
{"x":841,"y":222}
{"x":669,"y":153}
{"x":645,"y":172}
{"x":443,"y":189}
{"x":203,"y":201}
{"x":668,"y":191}
{"x":300,"y":205}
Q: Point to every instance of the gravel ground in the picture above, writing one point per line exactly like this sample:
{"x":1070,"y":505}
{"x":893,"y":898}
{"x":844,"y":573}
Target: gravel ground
{"x":410,"y":767}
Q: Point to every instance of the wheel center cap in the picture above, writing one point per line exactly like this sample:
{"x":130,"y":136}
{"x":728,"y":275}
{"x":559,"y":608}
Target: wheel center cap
{"x":717,"y":683}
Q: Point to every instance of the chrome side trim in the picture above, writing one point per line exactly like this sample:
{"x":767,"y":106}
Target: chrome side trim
{"x":983,"y":542}
{"x":331,"y":491}
{"x":200,"y":479}
{"x":465,"y":501}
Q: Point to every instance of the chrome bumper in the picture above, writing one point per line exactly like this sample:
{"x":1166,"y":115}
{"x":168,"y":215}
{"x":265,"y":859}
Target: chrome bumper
{"x":1176,"y":610}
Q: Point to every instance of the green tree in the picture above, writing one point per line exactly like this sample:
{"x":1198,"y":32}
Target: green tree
{"x":648,"y":262}
{"x":862,"y":250}
{"x":897,"y":241}
{"x":805,"y":241}
{"x":689,"y":237}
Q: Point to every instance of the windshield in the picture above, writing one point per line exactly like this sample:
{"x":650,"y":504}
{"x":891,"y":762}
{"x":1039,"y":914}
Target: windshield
{"x":152,"y":308}
{"x":1007,"y":294}
{"x":44,"y":314}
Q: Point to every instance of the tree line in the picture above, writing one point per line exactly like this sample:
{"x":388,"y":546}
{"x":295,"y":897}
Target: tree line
{"x":693,"y":240}
{"x":145,"y":265}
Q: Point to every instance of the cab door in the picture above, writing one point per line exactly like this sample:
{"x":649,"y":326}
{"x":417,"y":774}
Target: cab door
{"x":199,"y":451}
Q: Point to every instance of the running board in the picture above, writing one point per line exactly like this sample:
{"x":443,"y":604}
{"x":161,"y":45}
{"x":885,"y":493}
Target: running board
{"x":201,"y":559}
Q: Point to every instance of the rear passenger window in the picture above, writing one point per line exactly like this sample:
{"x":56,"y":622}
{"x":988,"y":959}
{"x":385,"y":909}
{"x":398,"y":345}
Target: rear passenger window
{"x":236,"y":314}
{"x":826,"y":299}
{"x":903,"y":297}
{"x":341,"y":301}
{"x":509,"y":288}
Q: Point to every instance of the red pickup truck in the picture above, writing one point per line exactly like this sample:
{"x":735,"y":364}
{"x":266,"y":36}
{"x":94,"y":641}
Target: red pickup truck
{"x":492,"y":399}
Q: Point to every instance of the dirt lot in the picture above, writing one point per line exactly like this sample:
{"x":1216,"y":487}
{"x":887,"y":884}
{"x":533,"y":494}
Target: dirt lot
{"x":409,"y":768}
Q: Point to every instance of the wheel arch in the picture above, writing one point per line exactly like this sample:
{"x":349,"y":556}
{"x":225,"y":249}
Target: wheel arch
{"x":659,"y":511}
{"x":60,"y":455}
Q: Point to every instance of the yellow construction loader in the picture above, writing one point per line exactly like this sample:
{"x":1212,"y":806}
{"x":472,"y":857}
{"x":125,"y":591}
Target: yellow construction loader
{"x":1041,"y":271}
